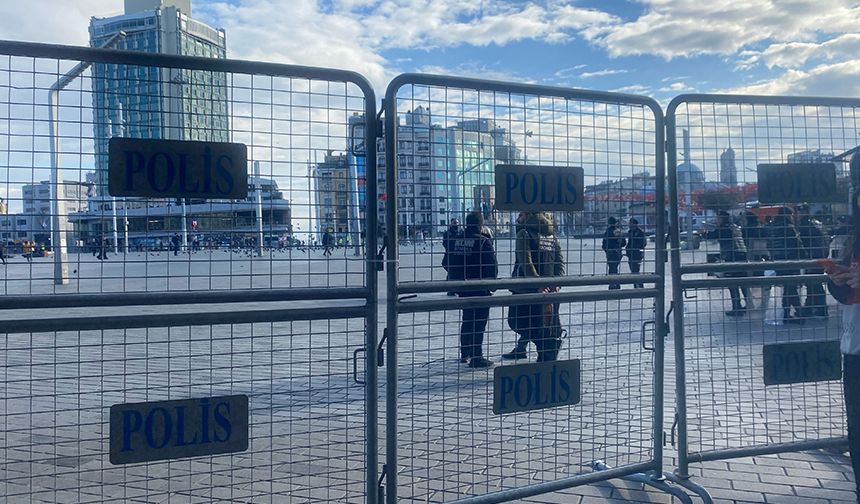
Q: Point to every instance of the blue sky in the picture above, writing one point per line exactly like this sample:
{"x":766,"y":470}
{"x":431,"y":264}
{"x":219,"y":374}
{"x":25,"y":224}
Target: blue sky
{"x":655,"y":47}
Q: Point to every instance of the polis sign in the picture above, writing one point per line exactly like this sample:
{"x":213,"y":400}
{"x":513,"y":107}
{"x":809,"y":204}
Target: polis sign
{"x":540,"y":385}
{"x":539,"y":188}
{"x":177,"y":169}
{"x":163,"y":430}
{"x":804,"y":362}
{"x":797,"y":183}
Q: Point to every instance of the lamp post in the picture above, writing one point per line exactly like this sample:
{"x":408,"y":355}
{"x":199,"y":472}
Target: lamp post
{"x":59,"y":219}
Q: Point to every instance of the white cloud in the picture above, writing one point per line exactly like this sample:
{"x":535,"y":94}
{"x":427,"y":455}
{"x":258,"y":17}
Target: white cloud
{"x":673,"y":28}
{"x":601,"y":73}
{"x":797,"y":54}
{"x":53,"y":22}
{"x":830,"y":79}
{"x":475,"y":70}
{"x":676,"y":87}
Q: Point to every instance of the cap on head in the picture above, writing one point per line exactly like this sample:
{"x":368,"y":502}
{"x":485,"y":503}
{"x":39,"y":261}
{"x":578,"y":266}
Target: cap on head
{"x":611,"y":221}
{"x":475,"y":220}
{"x":633,"y":221}
{"x":723,"y":213}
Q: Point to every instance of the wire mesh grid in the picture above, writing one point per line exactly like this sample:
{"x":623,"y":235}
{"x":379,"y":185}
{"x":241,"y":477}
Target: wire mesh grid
{"x":449,"y":142}
{"x":450,"y":443}
{"x":306,"y":425}
{"x":301,"y":225}
{"x":720,"y":146}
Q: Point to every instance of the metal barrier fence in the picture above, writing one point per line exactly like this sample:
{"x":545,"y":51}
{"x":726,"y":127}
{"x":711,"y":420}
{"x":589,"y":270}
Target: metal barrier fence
{"x":445,"y":139}
{"x":746,"y":285}
{"x":114,"y":300}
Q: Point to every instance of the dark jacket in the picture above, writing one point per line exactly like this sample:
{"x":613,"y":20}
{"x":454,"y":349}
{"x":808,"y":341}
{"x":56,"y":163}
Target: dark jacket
{"x":471,"y":257}
{"x":538,"y":253}
{"x":636,"y":243}
{"x":451,"y":234}
{"x":613,"y":243}
{"x":784,"y":243}
{"x":731,"y":240}
{"x":327,"y":239}
{"x":814,"y":240}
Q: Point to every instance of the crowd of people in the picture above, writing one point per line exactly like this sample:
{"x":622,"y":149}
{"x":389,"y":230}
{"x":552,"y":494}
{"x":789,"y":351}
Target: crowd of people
{"x":791,"y":234}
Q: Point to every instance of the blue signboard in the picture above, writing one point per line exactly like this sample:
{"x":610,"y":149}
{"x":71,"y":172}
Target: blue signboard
{"x":163,"y":430}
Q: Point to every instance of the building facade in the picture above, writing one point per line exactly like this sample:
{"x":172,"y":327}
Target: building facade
{"x":152,"y":102}
{"x":728,"y":168}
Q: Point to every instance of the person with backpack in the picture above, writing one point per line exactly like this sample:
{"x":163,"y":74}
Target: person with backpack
{"x":518,"y":314}
{"x":613,"y":244}
{"x":471,"y":256}
{"x":636,"y":243}
{"x":784,"y":244}
{"x":817,"y":246}
{"x":732,"y":249}
{"x":538,"y":254}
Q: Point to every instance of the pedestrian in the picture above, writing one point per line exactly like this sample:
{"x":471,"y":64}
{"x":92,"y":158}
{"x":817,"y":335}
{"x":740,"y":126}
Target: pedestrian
{"x":538,"y":254}
{"x":518,"y":314}
{"x":327,"y":242}
{"x":174,"y":244}
{"x":844,"y":285}
{"x":817,"y":246}
{"x":784,"y":245}
{"x":636,"y":243}
{"x":103,"y":250}
{"x":28,"y":249}
{"x":732,"y":249}
{"x":3,"y":252}
{"x":472,"y":257}
{"x":448,"y":236}
{"x":613,"y":245}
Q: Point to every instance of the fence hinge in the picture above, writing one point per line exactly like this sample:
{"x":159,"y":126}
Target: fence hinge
{"x":380,"y":258}
{"x":381,"y":492}
{"x":674,"y":428}
{"x":379,"y":123}
{"x":380,"y":352}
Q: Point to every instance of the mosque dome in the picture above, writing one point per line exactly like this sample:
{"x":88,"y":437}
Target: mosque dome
{"x":689,"y":174}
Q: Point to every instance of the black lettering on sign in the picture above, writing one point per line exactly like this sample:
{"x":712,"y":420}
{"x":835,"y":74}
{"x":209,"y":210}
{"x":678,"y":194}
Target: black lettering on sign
{"x":539,"y":188}
{"x":143,"y":432}
{"x":526,"y":387}
{"x":797,"y":183}
{"x":804,"y":362}
{"x":177,"y":169}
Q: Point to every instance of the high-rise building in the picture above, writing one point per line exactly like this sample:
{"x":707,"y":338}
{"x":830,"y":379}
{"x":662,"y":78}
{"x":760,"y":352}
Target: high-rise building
{"x":728,"y":169}
{"x":152,"y":102}
{"x":332,"y":194}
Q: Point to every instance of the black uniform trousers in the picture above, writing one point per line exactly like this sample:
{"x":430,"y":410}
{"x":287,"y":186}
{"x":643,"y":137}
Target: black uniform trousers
{"x":472,"y":329}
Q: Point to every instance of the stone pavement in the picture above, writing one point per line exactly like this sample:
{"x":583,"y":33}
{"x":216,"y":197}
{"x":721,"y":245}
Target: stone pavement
{"x":308,"y":412}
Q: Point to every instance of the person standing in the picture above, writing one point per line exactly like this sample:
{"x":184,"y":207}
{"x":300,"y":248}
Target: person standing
{"x":174,"y":244}
{"x":732,"y":249}
{"x":472,"y":257}
{"x":613,"y":245}
{"x":327,"y":242}
{"x":538,"y":255}
{"x":784,"y":245}
{"x":817,"y":246}
{"x":636,"y":243}
{"x":3,"y":252}
{"x":518,"y":314}
{"x":448,"y":236}
{"x":844,"y":285}
{"x":103,"y":250}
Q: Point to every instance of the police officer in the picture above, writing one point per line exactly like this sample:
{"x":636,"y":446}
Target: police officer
{"x":636,"y":243}
{"x":613,"y":245}
{"x":472,"y":257}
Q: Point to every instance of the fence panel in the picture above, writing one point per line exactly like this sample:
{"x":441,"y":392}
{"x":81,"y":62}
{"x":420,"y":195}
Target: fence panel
{"x":745,"y":278}
{"x":110,"y":300}
{"x":446,"y":138}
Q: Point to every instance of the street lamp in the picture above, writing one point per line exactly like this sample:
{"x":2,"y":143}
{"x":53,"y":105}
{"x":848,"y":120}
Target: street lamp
{"x":59,"y":217}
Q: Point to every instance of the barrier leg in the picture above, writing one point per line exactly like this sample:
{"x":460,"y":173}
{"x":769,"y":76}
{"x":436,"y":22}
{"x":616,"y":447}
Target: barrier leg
{"x":651,"y":481}
{"x":697,"y":489}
